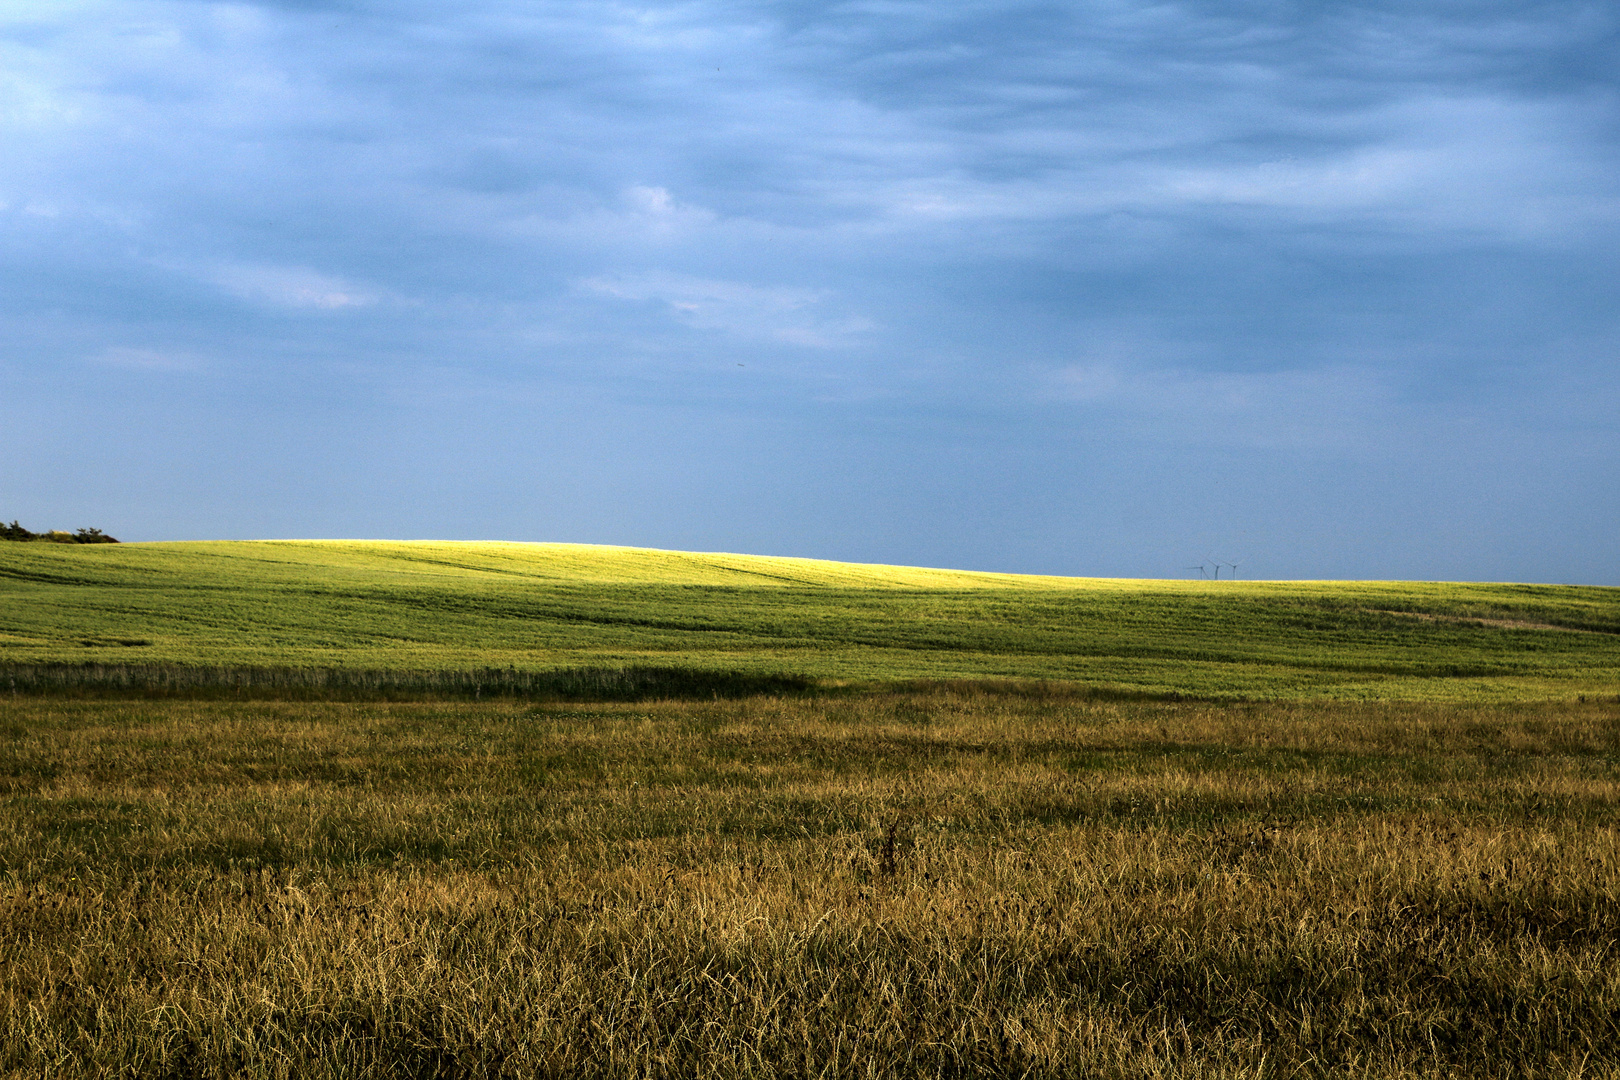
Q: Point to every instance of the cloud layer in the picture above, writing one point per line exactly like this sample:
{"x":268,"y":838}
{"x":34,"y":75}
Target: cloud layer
{"x":1078,"y":288}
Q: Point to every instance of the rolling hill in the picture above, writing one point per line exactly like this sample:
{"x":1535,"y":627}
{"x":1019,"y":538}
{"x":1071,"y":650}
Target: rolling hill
{"x":450,"y":606}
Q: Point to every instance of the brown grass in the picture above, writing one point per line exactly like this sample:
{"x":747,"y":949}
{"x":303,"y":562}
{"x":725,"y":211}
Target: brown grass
{"x":941,"y":884}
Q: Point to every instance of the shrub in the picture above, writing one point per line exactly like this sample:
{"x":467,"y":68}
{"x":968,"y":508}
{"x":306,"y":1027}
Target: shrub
{"x":15,"y":531}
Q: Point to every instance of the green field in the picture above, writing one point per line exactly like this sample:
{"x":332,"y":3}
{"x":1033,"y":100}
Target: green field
{"x":442,"y":607}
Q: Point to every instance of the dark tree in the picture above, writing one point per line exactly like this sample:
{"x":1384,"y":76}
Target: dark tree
{"x":14,"y":531}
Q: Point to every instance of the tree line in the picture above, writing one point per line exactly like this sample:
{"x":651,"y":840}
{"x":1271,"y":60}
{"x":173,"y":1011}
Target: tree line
{"x":14,"y":531}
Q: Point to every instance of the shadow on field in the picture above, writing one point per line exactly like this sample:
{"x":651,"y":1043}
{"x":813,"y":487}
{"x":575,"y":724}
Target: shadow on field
{"x":163,"y":681}
{"x":583,"y":684}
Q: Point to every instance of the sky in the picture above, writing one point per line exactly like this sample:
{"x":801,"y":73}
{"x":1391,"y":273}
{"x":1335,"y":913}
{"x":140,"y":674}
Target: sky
{"x":1101,"y":288}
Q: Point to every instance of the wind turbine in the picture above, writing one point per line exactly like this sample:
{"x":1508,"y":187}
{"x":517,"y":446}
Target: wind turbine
{"x":1200,"y":568}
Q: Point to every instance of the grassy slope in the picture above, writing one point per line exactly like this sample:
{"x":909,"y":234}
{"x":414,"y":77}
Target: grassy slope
{"x":358,"y":604}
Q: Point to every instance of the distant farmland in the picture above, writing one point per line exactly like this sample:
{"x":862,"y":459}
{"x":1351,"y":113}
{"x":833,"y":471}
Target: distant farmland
{"x":497,"y":618}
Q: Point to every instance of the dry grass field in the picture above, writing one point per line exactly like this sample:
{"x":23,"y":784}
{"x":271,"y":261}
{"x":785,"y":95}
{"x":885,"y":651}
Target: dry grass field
{"x":957,"y":881}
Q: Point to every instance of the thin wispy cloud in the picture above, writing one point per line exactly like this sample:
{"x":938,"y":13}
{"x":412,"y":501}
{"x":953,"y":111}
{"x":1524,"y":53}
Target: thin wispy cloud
{"x":790,"y":315}
{"x":290,"y":286}
{"x":135,"y":358}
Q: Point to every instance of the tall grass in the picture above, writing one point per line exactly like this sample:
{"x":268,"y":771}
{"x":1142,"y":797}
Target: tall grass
{"x":943,"y":883}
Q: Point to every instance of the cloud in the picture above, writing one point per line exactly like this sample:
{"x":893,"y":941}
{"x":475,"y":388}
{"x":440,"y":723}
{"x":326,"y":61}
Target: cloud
{"x":1140,"y":379}
{"x":790,"y":316}
{"x":292,"y":287}
{"x":1483,"y":164}
{"x":1283,"y":404}
{"x":1256,"y":226}
{"x":154,"y":360}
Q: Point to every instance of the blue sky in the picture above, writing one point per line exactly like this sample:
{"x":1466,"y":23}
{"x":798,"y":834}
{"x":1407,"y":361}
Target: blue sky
{"x":1110,"y":288}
